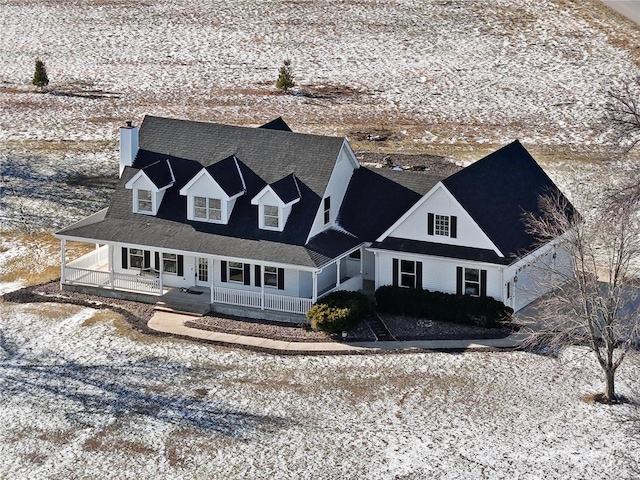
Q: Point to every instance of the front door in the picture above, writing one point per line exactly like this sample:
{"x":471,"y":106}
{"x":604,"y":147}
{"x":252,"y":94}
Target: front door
{"x":203,"y":271}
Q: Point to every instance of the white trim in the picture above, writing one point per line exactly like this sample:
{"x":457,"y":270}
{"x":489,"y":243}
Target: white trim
{"x":187,"y":253}
{"x":421,"y":202}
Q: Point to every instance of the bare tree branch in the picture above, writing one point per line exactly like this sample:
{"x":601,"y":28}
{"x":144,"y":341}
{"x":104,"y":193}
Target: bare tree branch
{"x":594,"y":298}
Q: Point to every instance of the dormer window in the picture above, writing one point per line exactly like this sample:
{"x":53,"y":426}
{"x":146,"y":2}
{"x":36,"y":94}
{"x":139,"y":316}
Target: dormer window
{"x":145,"y":201}
{"x":213,"y":191}
{"x":207,"y":209}
{"x":275,"y":202}
{"x":271,"y":216}
{"x":149,"y":186}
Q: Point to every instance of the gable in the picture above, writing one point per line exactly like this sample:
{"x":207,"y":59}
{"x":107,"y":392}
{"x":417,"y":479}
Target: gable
{"x":414,"y":225}
{"x":496,"y":191}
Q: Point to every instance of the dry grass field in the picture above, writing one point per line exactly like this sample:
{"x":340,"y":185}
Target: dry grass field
{"x":85,"y":396}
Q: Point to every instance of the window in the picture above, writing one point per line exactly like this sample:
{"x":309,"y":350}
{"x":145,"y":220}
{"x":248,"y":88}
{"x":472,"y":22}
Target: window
{"x":407,"y":273}
{"x":327,"y":210}
{"x":207,"y":208}
{"x":442,"y":225}
{"x":270,"y":276}
{"x":236,"y":272}
{"x":271,"y":216}
{"x":145,"y":204}
{"x":472,"y":282}
{"x":136,"y":258}
{"x":170,"y":263}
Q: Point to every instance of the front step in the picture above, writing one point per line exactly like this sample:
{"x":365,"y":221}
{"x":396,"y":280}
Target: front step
{"x":378,"y":328}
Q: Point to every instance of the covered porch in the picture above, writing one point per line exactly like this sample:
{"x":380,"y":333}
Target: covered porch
{"x":207,"y":282}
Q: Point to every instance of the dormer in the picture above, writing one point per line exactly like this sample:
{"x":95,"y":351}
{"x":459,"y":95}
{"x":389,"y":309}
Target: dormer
{"x":149,"y":185}
{"x":275,"y":201}
{"x":212,"y":192}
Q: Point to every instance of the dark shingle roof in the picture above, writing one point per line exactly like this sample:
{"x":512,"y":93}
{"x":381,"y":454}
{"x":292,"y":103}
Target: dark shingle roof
{"x":375,"y":199}
{"x":159,"y":173}
{"x":497,"y":190}
{"x":441,"y":250}
{"x":270,"y":154}
{"x":277,"y":124}
{"x":287,"y":188}
{"x":227,"y":174}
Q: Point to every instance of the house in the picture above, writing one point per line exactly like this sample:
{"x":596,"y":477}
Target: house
{"x":264,"y":221}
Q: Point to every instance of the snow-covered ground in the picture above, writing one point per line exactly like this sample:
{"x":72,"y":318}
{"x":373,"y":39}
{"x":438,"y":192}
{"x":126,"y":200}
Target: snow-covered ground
{"x":441,"y":74}
{"x":81,"y":398}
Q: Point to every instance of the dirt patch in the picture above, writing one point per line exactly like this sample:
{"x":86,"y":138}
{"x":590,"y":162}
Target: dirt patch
{"x":423,"y":162}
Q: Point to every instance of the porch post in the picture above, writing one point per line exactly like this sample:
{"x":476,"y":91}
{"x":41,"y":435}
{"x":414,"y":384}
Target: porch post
{"x":210,"y":266}
{"x":261,"y":287}
{"x":159,"y":267}
{"x":338,"y":272}
{"x":63,"y":259}
{"x":314,"y":295}
{"x":112,"y":275}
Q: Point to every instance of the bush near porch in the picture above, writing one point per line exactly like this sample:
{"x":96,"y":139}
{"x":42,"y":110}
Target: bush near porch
{"x":445,"y":307}
{"x":339,"y":311}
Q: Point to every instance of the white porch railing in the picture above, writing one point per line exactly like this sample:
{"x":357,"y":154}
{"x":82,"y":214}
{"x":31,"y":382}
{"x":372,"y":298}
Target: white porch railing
{"x":241,"y":298}
{"x":119,"y":281}
{"x":244,"y":298}
{"x":92,"y":259}
{"x":282,"y":303}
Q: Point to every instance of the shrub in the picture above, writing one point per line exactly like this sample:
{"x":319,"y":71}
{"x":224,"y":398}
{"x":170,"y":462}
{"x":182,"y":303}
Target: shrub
{"x":445,"y":307}
{"x":338,"y":311}
{"x":40,"y":78}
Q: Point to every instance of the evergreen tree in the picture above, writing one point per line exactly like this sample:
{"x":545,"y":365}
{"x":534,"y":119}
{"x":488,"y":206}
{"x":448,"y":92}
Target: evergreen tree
{"x":40,"y":78}
{"x":285,"y":79}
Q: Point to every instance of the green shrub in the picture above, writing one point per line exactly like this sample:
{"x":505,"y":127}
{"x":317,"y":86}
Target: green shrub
{"x":445,"y":307}
{"x":338,"y":311}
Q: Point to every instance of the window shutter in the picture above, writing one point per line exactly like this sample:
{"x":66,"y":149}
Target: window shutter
{"x":223,"y":271}
{"x":396,"y":269}
{"x":147,"y":259}
{"x":483,"y":283}
{"x":180,"y":266}
{"x":247,"y":274}
{"x":258,"y":271}
{"x":459,"y":290}
{"x":125,"y":257}
{"x":431,"y":221}
{"x":453,"y":226}
{"x":157,"y":259}
{"x":419,"y":275}
{"x":281,"y":279}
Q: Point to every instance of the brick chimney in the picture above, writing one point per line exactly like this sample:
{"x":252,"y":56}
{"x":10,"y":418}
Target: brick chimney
{"x":128,"y":145}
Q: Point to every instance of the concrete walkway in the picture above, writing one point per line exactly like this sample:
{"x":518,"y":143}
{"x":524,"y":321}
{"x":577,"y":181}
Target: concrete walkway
{"x":173,"y":323}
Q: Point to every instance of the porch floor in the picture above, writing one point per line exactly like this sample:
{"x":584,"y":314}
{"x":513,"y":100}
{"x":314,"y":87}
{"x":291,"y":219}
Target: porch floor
{"x":195,"y":300}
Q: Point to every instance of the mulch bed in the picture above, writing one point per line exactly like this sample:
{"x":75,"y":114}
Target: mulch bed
{"x":138,"y":314}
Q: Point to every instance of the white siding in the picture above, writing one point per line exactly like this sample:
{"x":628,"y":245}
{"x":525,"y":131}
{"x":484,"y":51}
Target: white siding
{"x":441,"y":202}
{"x":208,"y":188}
{"x":439,"y":274}
{"x":346,"y":163}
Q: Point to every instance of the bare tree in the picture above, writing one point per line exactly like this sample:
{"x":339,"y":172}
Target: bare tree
{"x":623,"y":112}
{"x":594,"y":280}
